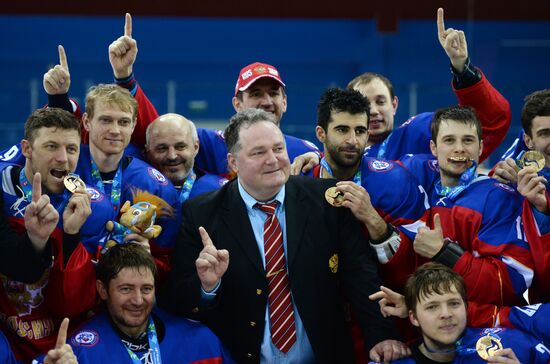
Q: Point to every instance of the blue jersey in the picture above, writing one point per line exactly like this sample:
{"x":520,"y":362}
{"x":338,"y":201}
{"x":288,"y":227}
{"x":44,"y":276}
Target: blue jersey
{"x":528,"y":349}
{"x":533,"y":319}
{"x":485,"y":220}
{"x":212,"y":156}
{"x":206,"y":183}
{"x":6,"y":356}
{"x":180,"y":341}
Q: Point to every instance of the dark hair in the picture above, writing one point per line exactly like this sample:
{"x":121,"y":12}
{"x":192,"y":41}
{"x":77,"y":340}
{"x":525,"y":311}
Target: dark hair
{"x":432,"y":278}
{"x":462,"y":114}
{"x":50,"y":117}
{"x":536,"y":104}
{"x":122,"y":256}
{"x":366,"y":78}
{"x":241,"y":120}
{"x":338,"y":100}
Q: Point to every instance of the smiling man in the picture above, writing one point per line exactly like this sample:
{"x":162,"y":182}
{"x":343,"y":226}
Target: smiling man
{"x":131,"y":330}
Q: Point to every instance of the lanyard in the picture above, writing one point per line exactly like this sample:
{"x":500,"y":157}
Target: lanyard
{"x":153,"y":345}
{"x":187,"y":186}
{"x":465,"y":179}
{"x":356,"y":177}
{"x":26,"y":186}
{"x":115,"y":188}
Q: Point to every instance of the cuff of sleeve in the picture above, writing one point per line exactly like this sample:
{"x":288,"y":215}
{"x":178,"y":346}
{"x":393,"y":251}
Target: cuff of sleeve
{"x":449,"y":254}
{"x":60,"y":101}
{"x":128,"y":83}
{"x":387,"y":247}
{"x":469,"y":77}
{"x":209,"y":296}
{"x":70,"y":242}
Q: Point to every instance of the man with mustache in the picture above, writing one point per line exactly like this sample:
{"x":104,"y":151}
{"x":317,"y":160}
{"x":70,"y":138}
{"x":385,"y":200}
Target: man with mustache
{"x":171,"y":146}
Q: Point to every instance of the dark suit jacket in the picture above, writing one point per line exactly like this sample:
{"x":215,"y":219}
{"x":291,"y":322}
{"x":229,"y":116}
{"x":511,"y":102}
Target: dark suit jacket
{"x":316,"y":232}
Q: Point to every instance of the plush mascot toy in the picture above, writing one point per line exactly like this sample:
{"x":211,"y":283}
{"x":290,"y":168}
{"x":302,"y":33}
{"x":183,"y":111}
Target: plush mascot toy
{"x":138,"y":218}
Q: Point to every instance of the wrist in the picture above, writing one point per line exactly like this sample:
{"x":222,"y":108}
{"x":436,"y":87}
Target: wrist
{"x":122,"y":74}
{"x":449,"y":254}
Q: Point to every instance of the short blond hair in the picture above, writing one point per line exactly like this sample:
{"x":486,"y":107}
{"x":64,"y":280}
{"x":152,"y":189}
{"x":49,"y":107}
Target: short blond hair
{"x":111,"y":94}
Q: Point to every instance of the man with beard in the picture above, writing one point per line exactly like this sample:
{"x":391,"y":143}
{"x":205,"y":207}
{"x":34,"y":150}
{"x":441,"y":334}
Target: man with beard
{"x":171,"y":146}
{"x":475,"y":221}
{"x":130,"y":327}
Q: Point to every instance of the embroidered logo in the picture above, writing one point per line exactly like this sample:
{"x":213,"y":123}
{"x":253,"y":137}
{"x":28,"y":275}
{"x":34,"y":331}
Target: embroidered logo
{"x":380,"y":166}
{"x":86,"y":338}
{"x":333,"y":263}
{"x":95,"y":195}
{"x":158,"y":176}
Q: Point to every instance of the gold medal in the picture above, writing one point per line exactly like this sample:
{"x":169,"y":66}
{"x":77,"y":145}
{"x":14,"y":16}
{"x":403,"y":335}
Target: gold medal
{"x":487,"y":346}
{"x":532,"y":158}
{"x":334,"y":197}
{"x":73,"y":183}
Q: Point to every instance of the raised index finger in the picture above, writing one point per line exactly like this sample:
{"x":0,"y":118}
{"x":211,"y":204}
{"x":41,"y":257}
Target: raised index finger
{"x":128,"y":25}
{"x":62,"y":57}
{"x":36,"y":187}
{"x":440,"y":22}
{"x":62,"y":335}
{"x":206,"y":241}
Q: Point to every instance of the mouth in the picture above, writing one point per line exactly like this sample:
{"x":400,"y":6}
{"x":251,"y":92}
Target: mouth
{"x":460,"y":161}
{"x":58,"y":172}
{"x":375,"y":124}
{"x":448,"y":328}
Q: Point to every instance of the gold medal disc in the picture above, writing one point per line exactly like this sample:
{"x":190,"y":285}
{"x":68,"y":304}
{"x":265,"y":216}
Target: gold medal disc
{"x":532,"y":158}
{"x":334,"y":197}
{"x":73,"y":183}
{"x":487,"y":346}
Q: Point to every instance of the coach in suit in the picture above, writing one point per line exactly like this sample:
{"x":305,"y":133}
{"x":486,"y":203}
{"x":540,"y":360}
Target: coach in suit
{"x":266,"y":269}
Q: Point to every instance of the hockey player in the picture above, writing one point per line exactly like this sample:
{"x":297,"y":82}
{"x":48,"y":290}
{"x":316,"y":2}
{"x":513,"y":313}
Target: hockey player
{"x":435,"y":301}
{"x":31,"y":312}
{"x":130,"y":330}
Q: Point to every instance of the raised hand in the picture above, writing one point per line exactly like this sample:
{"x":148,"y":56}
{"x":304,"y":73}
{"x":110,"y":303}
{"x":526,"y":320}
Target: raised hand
{"x":58,"y":79}
{"x":41,"y":217}
{"x":453,"y":42}
{"x":211,"y":263}
{"x":62,"y":353}
{"x":429,"y":242}
{"x":77,"y":211}
{"x":533,"y":188}
{"x":123,"y":51}
{"x":391,"y":303}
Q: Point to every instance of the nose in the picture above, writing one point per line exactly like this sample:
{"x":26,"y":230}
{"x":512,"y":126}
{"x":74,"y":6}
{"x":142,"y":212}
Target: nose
{"x":445,"y":311}
{"x":373,"y":109}
{"x":266,"y":100}
{"x":137,"y":298}
{"x":352,"y":138}
{"x":271,"y":157}
{"x":172,"y":153}
{"x":61,"y":155}
{"x":114,"y":129}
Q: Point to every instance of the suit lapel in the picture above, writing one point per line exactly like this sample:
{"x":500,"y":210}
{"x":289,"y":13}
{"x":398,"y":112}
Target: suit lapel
{"x":237,"y":222}
{"x":297,"y":214}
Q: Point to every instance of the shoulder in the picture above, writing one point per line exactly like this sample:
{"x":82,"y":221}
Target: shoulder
{"x":305,"y":145}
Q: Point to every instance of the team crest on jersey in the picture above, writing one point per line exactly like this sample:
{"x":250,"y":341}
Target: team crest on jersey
{"x":86,"y":338}
{"x":158,"y":176}
{"x":434,"y":165}
{"x":95,"y":195}
{"x":505,"y":187}
{"x":376,"y":165}
{"x":493,"y":331}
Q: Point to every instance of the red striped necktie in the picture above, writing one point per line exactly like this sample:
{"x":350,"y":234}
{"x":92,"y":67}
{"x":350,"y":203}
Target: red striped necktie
{"x":281,"y":312}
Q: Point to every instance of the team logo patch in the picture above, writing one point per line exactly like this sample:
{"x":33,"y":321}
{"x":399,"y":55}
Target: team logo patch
{"x":380,"y":166}
{"x":434,"y":165}
{"x":505,"y":187}
{"x":95,"y":195}
{"x":158,"y":176}
{"x":86,"y":338}
{"x":259,"y":70}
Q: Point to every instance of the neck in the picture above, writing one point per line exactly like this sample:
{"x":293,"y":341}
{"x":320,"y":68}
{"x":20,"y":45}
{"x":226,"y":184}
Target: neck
{"x":133,"y":332}
{"x":342,"y":173}
{"x":378,"y":138}
{"x":449,"y":181}
{"x":105,"y":162}
{"x":446,"y":354}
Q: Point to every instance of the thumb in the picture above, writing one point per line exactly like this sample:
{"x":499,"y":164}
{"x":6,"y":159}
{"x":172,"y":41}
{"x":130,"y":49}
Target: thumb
{"x":437,"y":223}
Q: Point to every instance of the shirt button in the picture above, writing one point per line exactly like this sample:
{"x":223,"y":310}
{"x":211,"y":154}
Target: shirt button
{"x":258,"y":291}
{"x":195,"y":310}
{"x":252,"y":324}
{"x":248,"y":355}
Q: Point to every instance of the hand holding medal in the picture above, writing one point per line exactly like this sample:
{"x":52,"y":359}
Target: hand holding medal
{"x":530,"y":184}
{"x":73,"y":183}
{"x":78,"y":206}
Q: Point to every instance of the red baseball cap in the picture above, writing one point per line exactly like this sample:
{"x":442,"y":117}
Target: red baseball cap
{"x":254,"y":72}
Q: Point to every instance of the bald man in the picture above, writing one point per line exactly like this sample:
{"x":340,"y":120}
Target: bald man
{"x":171,"y":146}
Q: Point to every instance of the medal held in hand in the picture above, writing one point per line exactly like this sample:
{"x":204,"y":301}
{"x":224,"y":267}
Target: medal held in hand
{"x":73,"y":183}
{"x":487,"y":346}
{"x":531,"y":158}
{"x":334,"y":197}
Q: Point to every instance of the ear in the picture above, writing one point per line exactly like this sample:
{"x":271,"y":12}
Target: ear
{"x":320,"y":133}
{"x":102,"y":290}
{"x":125,"y":207}
{"x":232,"y":163}
{"x":480,"y":147}
{"x":528,"y":141}
{"x":196,"y":145}
{"x":285,"y":103}
{"x":26,"y":148}
{"x":413,"y":319}
{"x":394,"y":104}
{"x":236,"y":104}
{"x":86,"y":121}
{"x":433,"y":148}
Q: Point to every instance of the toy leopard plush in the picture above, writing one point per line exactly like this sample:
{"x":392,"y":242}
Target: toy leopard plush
{"x":138,"y":218}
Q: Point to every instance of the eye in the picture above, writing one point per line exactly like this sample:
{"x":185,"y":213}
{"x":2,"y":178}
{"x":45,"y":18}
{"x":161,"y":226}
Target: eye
{"x":136,"y":212}
{"x":147,"y":290}
{"x":125,"y":289}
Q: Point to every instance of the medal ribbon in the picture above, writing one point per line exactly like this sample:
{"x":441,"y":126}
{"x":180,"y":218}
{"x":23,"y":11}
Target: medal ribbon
{"x":153,"y":345}
{"x":115,"y":188}
{"x":187,"y":186}
{"x":26,"y":186}
{"x":356,"y":178}
{"x":382,"y":150}
{"x":465,"y":179}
